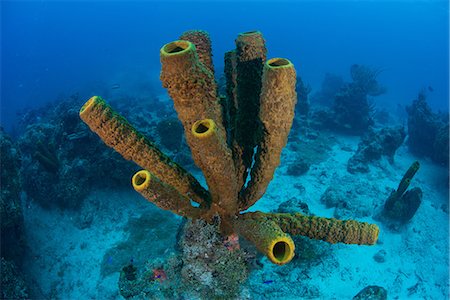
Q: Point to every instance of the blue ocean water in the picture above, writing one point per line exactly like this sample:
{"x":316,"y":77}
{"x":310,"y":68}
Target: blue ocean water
{"x":62,"y":47}
{"x":74,"y":228}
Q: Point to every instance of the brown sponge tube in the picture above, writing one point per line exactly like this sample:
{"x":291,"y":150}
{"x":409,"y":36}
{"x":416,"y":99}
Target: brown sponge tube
{"x":268,"y":238}
{"x":189,"y":83}
{"x":202,"y":42}
{"x":278,"y":99}
{"x":117,"y":133}
{"x":210,"y":150}
{"x":164,"y":195}
{"x":326,"y":229}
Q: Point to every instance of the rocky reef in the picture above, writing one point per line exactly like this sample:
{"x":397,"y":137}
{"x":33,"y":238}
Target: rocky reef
{"x":13,"y":244}
{"x":62,"y":160}
{"x":428,"y":132}
{"x":12,"y":282}
{"x":374,"y":145}
{"x":372,"y":292}
{"x":352,"y":109}
{"x":205,"y":266}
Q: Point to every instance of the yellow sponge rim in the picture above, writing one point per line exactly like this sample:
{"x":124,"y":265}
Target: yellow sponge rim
{"x":179,"y":47}
{"x":252,"y":32}
{"x":141,"y":180}
{"x":281,"y":250}
{"x":203,"y":128}
{"x":89,"y":104}
{"x":278,"y":63}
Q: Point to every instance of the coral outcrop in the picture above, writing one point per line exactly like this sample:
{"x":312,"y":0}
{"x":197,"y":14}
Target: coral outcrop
{"x":372,"y":292}
{"x":205,"y":267}
{"x":11,"y":216}
{"x":428,"y":132}
{"x":13,"y":245}
{"x":62,"y":159}
{"x":375,"y":144}
{"x":236,"y":141}
{"x":12,"y":282}
{"x":351,"y":111}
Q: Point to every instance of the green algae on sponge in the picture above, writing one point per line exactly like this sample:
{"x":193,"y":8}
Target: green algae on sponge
{"x":277,"y":105}
{"x":117,"y":133}
{"x":268,"y":238}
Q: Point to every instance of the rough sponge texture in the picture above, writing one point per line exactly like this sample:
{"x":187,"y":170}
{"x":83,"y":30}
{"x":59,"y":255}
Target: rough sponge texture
{"x":278,"y":99}
{"x":210,"y":150}
{"x":190,"y":84}
{"x":202,"y":42}
{"x":265,"y":234}
{"x":235,"y":140}
{"x":326,"y":229}
{"x":163,"y":195}
{"x":193,"y":90}
{"x":117,"y":133}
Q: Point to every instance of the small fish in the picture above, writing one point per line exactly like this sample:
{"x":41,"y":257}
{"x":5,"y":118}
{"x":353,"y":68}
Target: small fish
{"x":109,"y":260}
{"x":430,"y":88}
{"x":159,"y":274}
{"x":115,"y":86}
{"x":268,"y":282}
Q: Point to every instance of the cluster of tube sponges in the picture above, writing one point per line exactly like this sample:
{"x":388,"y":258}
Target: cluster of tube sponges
{"x":236,"y":140}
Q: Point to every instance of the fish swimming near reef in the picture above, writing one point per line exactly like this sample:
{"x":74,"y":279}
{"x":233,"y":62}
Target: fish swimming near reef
{"x":159,"y":274}
{"x":115,"y":86}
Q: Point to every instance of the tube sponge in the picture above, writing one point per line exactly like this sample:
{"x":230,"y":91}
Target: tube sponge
{"x":268,"y":238}
{"x":117,"y":133}
{"x":190,"y":84}
{"x":163,"y":195}
{"x":278,"y":99}
{"x":406,"y":180}
{"x":210,"y":151}
{"x":250,"y":57}
{"x":202,"y":42}
{"x":402,"y":204}
{"x":326,"y":229}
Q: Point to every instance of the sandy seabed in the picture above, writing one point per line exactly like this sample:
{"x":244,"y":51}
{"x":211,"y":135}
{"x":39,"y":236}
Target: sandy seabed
{"x":65,"y":259}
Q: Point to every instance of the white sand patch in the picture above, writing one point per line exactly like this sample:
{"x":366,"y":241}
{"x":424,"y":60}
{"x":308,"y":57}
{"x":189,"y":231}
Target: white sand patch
{"x":416,"y":262}
{"x":66,"y":261}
